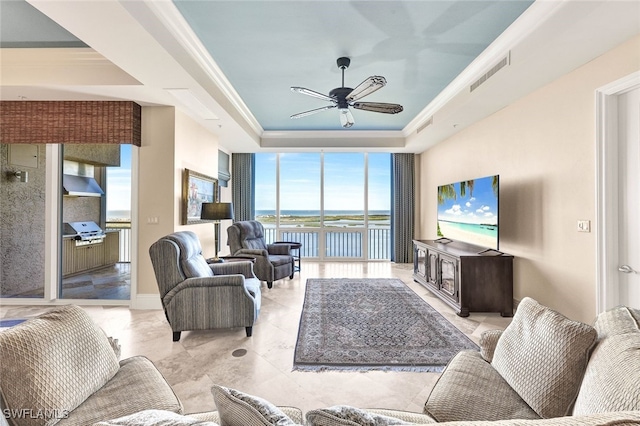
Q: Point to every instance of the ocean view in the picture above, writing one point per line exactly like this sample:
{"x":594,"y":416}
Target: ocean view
{"x":317,"y":212}
{"x":308,"y":217}
{"x":332,"y":218}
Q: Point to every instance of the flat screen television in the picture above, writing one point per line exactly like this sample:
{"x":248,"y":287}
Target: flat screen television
{"x":468,"y":211}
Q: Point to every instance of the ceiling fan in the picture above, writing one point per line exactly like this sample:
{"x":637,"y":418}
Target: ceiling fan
{"x":345,"y":97}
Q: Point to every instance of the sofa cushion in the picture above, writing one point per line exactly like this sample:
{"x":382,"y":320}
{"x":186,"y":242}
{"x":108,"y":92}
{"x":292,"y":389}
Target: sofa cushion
{"x":616,"y":321}
{"x":471,"y":389}
{"x":344,"y":415}
{"x":192,"y":261}
{"x":251,"y":235}
{"x":279,"y":260}
{"x":611,"y":380}
{"x":155,"y":418}
{"x":407,"y":416}
{"x":240,"y":409}
{"x":293,"y":413}
{"x":542,"y":355}
{"x":137,"y":386}
{"x":52,"y":363}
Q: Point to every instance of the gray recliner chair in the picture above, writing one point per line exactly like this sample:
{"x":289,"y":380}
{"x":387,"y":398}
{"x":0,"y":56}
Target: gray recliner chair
{"x":273,"y":261}
{"x":200,"y":296}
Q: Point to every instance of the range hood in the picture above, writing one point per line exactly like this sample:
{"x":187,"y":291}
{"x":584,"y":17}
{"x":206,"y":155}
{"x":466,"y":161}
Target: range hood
{"x":80,"y":186}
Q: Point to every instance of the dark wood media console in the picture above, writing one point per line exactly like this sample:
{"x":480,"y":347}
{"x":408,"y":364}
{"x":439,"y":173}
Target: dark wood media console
{"x":467,"y":277}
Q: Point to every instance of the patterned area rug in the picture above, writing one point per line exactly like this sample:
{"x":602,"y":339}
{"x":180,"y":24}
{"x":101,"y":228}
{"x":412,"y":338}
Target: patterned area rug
{"x":372,"y":324}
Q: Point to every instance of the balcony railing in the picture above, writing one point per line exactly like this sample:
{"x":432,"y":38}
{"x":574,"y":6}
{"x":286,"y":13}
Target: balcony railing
{"x":124,"y":232}
{"x":337,"y":244}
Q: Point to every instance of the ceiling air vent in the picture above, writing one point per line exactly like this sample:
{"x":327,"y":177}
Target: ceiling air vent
{"x":497,"y":67}
{"x":426,"y":124}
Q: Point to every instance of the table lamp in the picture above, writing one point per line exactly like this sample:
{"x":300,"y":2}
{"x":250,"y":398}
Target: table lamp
{"x":216,"y":212}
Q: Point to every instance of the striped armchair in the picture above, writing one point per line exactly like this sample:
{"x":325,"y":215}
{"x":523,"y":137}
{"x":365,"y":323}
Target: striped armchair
{"x":200,"y":296}
{"x":273,"y":261}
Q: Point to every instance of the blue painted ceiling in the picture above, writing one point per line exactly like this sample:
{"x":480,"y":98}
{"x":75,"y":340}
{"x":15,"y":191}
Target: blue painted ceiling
{"x":264,"y":47}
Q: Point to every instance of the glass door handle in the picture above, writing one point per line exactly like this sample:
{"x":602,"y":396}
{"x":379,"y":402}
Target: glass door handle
{"x":627,"y":269}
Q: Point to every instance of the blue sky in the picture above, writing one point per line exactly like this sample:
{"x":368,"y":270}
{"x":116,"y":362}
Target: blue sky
{"x":481,"y":208}
{"x":344,"y":181}
{"x":119,"y":182}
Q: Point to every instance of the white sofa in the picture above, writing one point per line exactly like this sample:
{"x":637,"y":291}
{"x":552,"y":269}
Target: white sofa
{"x":60,"y":368}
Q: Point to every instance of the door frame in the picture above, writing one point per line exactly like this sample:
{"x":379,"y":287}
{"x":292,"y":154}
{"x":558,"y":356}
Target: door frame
{"x":607,"y":224}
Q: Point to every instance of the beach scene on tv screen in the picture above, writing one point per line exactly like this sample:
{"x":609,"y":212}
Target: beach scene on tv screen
{"x":468,"y":211}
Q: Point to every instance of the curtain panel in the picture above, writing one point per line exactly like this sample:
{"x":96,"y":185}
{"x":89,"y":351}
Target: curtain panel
{"x":402,"y":207}
{"x":243,"y":186}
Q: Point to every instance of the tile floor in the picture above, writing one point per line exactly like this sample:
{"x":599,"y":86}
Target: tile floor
{"x":203,"y":358}
{"x":111,"y":283}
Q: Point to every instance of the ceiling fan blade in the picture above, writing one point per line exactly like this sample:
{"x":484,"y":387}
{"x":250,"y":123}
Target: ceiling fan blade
{"x":313,"y":111}
{"x":367,"y":87}
{"x":312,"y":93}
{"x":378,"y":107}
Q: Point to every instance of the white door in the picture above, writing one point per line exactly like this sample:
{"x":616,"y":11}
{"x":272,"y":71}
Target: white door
{"x":629,"y":198}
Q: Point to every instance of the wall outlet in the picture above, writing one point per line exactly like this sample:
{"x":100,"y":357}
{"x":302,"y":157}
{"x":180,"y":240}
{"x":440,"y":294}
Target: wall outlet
{"x":584,"y":226}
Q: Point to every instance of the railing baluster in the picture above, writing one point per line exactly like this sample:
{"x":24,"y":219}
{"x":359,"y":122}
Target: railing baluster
{"x":337,"y":243}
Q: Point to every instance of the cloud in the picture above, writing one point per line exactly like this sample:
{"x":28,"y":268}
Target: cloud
{"x":468,"y":204}
{"x":455,"y":210}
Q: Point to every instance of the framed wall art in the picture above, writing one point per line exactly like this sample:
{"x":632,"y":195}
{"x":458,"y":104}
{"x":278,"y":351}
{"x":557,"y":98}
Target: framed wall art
{"x":196,"y":189}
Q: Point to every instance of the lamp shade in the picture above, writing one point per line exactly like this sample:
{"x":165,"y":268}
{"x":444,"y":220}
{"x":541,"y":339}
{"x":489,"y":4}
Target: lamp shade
{"x":216,"y":211}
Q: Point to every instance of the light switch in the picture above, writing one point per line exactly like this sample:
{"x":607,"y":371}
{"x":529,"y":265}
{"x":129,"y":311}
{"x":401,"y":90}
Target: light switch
{"x":584,"y":226}
{"x":153,"y":220}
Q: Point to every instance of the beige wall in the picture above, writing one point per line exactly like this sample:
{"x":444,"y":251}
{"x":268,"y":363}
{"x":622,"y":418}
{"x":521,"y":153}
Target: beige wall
{"x":543,"y":148}
{"x":155,"y":197}
{"x":171,"y":142}
{"x":197,"y":150}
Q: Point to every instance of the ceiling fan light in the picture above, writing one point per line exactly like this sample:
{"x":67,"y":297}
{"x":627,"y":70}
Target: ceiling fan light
{"x":346,"y":118}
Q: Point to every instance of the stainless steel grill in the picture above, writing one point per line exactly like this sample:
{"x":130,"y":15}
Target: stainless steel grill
{"x":85,"y":233}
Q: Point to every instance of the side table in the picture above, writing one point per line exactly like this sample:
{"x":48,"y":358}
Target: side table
{"x":296,"y":256}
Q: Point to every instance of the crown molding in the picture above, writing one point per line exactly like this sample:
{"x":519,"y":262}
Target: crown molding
{"x":334,"y":139}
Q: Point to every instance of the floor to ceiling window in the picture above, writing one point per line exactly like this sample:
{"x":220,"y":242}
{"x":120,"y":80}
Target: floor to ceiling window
{"x":336,"y":204}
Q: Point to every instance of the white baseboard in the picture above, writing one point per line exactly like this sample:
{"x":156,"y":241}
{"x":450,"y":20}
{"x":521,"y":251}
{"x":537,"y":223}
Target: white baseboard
{"x":146,"y":301}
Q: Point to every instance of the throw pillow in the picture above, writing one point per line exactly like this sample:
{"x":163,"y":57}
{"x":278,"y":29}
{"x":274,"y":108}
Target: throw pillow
{"x":542,"y":355}
{"x":240,"y":409}
{"x":53,"y":362}
{"x":340,"y":415}
{"x":155,"y":418}
{"x":611,"y":380}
